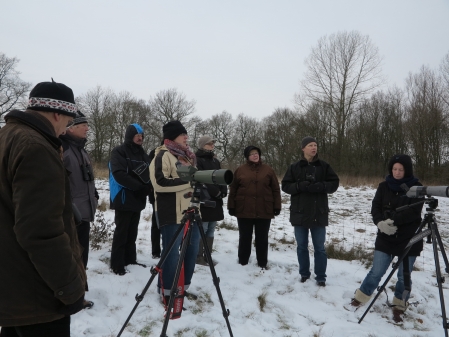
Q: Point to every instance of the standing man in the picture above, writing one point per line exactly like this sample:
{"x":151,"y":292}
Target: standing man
{"x":82,"y":185}
{"x":309,"y":181}
{"x":129,"y":181}
{"x":42,"y":278}
{"x":206,"y":160}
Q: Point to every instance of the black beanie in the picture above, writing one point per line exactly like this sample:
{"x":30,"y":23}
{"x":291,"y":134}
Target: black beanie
{"x":307,"y":140}
{"x":52,"y":97}
{"x":248,"y":149}
{"x":131,"y":131}
{"x":173,"y":129}
{"x":403,"y":159}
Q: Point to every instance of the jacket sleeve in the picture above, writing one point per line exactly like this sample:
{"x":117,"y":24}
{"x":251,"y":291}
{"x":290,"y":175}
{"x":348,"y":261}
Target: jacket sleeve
{"x":331,"y":180}
{"x":376,"y":206}
{"x":161,"y":178}
{"x":289,"y":182}
{"x":38,"y":197}
{"x":119,"y":169}
{"x":276,"y":191}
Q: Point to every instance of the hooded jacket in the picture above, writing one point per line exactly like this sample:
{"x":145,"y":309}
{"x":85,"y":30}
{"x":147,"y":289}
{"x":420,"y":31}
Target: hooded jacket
{"x":42,"y":274}
{"x":169,"y":189}
{"x":309,"y":209}
{"x":128,"y":189}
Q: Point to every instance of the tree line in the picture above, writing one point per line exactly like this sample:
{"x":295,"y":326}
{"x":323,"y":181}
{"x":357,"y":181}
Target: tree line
{"x":342,"y":102}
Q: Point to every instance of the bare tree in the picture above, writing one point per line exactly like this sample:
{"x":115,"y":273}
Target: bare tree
{"x":12,"y":88}
{"x":342,"y":69}
{"x":168,"y":105}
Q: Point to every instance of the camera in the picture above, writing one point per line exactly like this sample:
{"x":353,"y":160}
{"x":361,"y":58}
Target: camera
{"x":217,"y":177}
{"x":87,"y":172}
{"x":310,"y":174}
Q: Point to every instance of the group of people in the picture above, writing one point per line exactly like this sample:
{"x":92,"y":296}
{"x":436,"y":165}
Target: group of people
{"x":48,"y":200}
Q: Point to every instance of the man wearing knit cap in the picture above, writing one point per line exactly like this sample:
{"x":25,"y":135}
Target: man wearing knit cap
{"x":129,"y":183}
{"x":170,"y":202}
{"x":82,"y":184}
{"x":43,"y":278}
{"x":309,"y":181}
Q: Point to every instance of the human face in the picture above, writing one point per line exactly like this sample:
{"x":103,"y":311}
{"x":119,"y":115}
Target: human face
{"x":310,"y":150}
{"x":79,"y":130}
{"x":181,"y":139}
{"x":254,"y":156}
{"x":138,"y":139}
{"x":209,"y":146}
{"x":398,"y":171}
{"x":61,"y":122}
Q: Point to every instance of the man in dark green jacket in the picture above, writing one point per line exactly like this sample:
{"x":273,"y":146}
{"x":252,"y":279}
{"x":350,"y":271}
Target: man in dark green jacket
{"x":309,"y":181}
{"x":42,"y":277}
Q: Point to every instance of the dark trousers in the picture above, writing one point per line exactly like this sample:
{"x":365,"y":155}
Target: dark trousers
{"x":58,"y":328}
{"x":261,"y":228}
{"x":123,"y":250}
{"x":83,"y":230}
{"x":155,"y":235}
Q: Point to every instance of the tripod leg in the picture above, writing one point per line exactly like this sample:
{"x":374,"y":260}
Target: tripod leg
{"x":438,"y":272}
{"x":443,"y":253}
{"x":154,"y":272}
{"x":215,"y":279}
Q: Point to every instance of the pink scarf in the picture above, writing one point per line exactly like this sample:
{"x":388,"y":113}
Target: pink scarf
{"x":183,"y":153}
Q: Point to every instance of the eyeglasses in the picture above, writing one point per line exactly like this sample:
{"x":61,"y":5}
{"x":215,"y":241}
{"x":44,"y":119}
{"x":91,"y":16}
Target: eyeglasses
{"x":70,"y":124}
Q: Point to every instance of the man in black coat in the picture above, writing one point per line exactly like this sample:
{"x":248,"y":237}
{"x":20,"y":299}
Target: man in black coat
{"x":210,"y":215}
{"x":309,"y":181}
{"x":129,"y":181}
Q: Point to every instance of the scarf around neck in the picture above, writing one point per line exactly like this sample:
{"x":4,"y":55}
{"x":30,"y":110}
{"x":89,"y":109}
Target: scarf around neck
{"x":395,"y":184}
{"x":183,"y":153}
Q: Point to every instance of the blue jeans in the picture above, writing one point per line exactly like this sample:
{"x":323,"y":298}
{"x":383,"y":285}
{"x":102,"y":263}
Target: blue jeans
{"x":318,"y":238}
{"x":209,"y":228}
{"x":381,"y":262}
{"x":170,"y":264}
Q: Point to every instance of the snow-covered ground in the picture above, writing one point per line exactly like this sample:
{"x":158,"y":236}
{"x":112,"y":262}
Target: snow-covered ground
{"x":292,"y":308}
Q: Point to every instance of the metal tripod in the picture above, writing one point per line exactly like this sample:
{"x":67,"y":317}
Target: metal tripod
{"x":433,"y":236}
{"x":191,"y":218}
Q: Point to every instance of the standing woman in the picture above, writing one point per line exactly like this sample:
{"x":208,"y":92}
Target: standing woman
{"x":395,"y":229}
{"x":210,"y":215}
{"x":254,"y":198}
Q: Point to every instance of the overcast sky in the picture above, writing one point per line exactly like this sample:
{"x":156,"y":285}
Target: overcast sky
{"x":234,"y":55}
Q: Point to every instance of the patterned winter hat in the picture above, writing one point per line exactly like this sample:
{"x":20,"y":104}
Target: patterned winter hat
{"x":52,"y":97}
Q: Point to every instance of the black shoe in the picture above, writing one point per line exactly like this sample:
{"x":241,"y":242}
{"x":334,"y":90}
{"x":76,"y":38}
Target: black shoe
{"x":303,"y":279}
{"x":321,"y":283}
{"x":119,"y":272}
{"x":87,"y":304}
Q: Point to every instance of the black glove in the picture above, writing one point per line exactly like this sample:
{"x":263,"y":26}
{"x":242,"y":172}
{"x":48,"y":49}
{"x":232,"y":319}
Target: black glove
{"x":145,"y":190}
{"x":97,"y":196}
{"x":317,"y":187}
{"x":301,"y":186}
{"x":73,"y":308}
{"x":276,"y":211}
{"x":231,"y":211}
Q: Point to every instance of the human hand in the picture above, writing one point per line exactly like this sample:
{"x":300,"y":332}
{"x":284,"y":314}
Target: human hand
{"x":317,"y":187}
{"x":301,"y":186}
{"x":387,"y":227}
{"x":231,"y":211}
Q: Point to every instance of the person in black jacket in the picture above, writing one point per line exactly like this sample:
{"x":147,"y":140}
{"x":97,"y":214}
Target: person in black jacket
{"x":210,"y":215}
{"x":395,"y":229}
{"x":309,"y":181}
{"x":129,"y":181}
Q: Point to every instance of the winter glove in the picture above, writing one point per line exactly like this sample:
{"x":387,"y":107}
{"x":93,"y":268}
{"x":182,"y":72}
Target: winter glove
{"x":97,"y":196}
{"x":301,"y":186}
{"x":316,"y":188}
{"x":387,"y":227}
{"x":276,"y":211}
{"x":70,"y":309}
{"x":231,"y":211}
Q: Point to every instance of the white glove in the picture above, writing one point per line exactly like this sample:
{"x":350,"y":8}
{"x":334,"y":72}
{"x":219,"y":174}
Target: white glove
{"x":387,"y":227}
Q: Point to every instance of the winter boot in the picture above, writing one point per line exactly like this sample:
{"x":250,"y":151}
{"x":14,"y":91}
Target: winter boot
{"x":199,"y":257}
{"x":399,"y":307}
{"x":359,"y":299}
{"x":210,"y":245}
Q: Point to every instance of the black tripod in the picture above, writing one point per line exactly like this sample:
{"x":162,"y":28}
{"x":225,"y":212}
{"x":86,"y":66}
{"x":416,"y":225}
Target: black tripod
{"x":433,"y":236}
{"x":191,"y":217}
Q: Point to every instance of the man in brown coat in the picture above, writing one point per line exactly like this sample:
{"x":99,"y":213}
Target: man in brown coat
{"x":42,"y":277}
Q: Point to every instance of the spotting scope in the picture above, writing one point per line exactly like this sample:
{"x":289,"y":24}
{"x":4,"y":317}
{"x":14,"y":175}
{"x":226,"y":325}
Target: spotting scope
{"x":423,"y":191}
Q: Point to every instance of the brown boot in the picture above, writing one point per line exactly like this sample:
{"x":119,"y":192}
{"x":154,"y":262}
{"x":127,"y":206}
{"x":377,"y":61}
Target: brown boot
{"x":397,"y":315}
